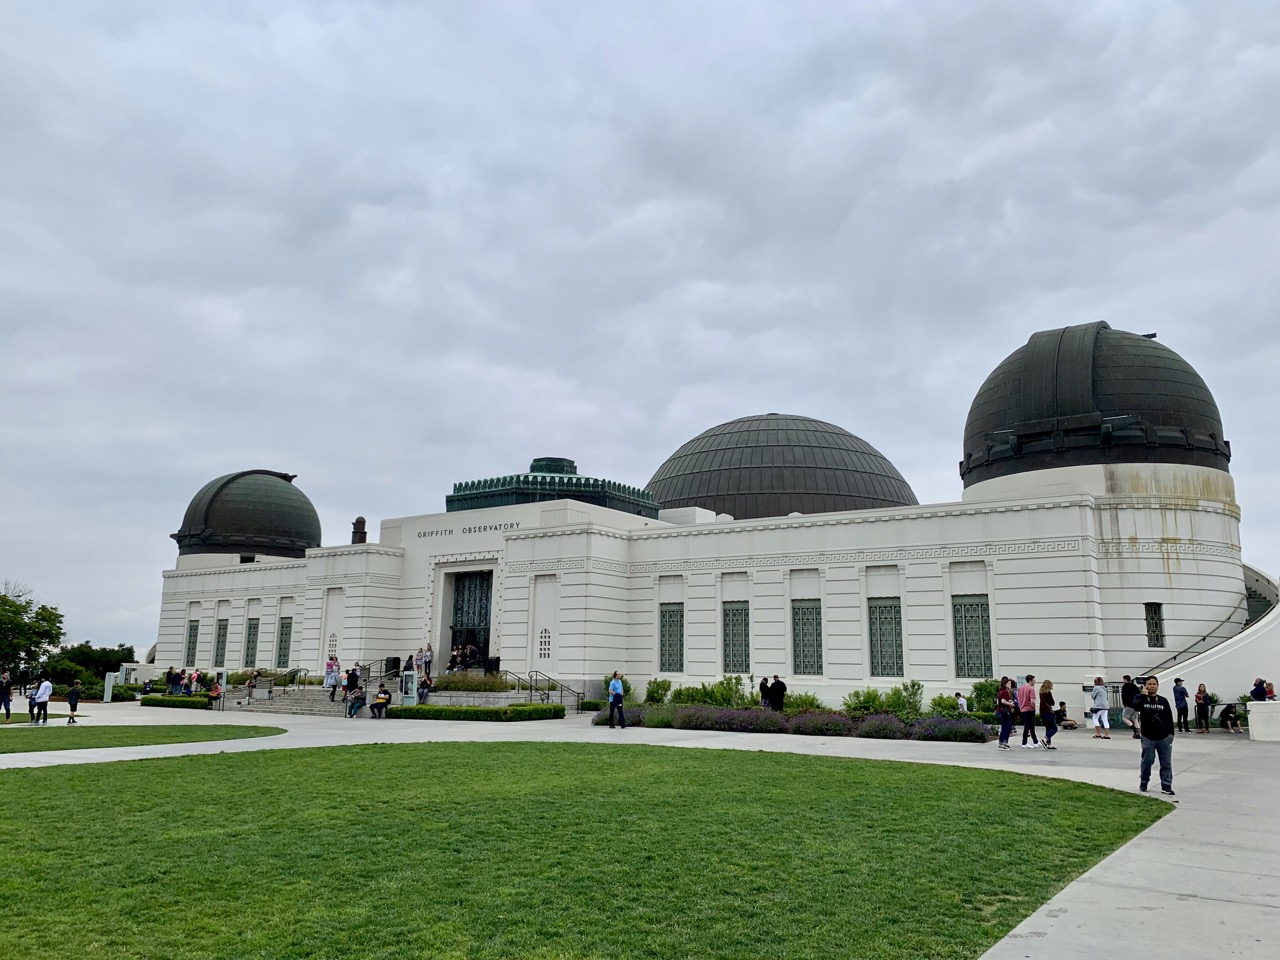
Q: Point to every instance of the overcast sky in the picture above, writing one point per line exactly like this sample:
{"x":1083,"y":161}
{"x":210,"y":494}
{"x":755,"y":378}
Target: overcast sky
{"x":391,"y":246}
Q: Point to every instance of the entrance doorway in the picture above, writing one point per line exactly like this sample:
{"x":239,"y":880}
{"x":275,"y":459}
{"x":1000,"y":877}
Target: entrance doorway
{"x":469,"y":629}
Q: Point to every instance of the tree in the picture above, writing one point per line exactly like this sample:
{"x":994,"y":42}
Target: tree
{"x":28,"y":633}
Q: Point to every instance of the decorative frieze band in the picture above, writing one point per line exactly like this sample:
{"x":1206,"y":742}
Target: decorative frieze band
{"x":1180,"y":548}
{"x":547,"y":566}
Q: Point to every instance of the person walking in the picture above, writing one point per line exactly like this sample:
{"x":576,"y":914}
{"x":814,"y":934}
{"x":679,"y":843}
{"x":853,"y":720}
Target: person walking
{"x":41,"y":701}
{"x":1027,"y":707}
{"x":1180,"y":702}
{"x":1155,"y":721}
{"x":332,"y":674}
{"x":73,"y":701}
{"x":1046,"y":714}
{"x":1202,"y":709}
{"x":1101,"y":710}
{"x":615,"y":701}
{"x":1128,"y":694}
{"x":6,"y":695}
{"x":1005,"y":702}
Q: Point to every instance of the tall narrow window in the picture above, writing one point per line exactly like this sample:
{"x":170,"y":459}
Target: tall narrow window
{"x":1155,"y":624}
{"x":220,"y":644}
{"x":251,"y":642}
{"x":193,"y":638}
{"x":971,"y":616}
{"x":737,"y":636}
{"x":806,"y":636}
{"x":284,"y":636}
{"x":886,"y":636}
{"x":544,"y":644}
{"x":671,"y":637}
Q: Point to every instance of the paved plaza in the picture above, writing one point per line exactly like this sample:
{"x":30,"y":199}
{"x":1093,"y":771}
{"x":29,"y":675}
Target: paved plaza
{"x":1204,"y":881}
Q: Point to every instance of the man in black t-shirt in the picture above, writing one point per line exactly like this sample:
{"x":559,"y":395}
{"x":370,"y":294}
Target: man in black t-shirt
{"x":1155,"y":720}
{"x":1129,"y":693}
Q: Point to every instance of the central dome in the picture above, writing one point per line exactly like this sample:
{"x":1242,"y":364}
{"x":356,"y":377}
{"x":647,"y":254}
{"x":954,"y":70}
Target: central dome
{"x":772,"y":465}
{"x":254,"y":511}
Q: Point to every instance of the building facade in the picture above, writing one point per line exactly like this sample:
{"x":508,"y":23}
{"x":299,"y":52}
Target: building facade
{"x":1098,"y":533}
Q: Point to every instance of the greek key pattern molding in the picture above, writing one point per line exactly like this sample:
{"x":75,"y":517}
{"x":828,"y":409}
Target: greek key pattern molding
{"x":1112,"y":548}
{"x":1020,"y":548}
{"x":610,"y":566}
{"x":546,"y":566}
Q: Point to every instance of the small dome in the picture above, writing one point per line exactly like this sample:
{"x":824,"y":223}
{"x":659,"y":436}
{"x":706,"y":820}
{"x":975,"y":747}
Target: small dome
{"x":1091,"y":395}
{"x":256,"y":511}
{"x":772,"y":465}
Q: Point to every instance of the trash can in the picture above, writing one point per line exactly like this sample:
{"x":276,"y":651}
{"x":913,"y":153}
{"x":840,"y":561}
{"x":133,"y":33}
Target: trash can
{"x":492,"y":664}
{"x":392,"y":666}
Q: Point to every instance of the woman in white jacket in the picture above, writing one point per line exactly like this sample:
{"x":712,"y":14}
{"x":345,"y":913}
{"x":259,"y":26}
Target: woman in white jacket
{"x":1101,"y":706}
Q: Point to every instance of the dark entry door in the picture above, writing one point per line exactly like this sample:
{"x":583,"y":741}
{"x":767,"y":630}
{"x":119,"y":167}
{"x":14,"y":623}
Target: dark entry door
{"x":472,"y":594}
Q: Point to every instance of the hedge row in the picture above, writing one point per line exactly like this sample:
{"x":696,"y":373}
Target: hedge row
{"x":181,"y":703}
{"x":517,"y":711}
{"x":594,"y":704}
{"x":817,"y":723}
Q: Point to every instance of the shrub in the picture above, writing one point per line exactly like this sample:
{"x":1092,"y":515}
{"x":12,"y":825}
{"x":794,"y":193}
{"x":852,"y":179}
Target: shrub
{"x":982,"y":698}
{"x":729,"y":720}
{"x":586,"y":706}
{"x":657,"y":691}
{"x":948,"y":728}
{"x":905,"y":701}
{"x":634,"y":714}
{"x":862,"y":703}
{"x":121,"y":692}
{"x":659,"y":715}
{"x":725,"y":692}
{"x":473,"y":683}
{"x":881,"y":726}
{"x":516,"y":711}
{"x":794,"y":704}
{"x":182,"y":703}
{"x":822,"y":723}
{"x":944,"y":705}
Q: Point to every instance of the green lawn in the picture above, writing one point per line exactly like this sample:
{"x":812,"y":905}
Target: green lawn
{"x":26,"y":738}
{"x":538,"y":851}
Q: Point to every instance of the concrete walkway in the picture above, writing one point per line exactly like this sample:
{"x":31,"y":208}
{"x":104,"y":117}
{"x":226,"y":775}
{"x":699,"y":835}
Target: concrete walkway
{"x":1203,"y":882}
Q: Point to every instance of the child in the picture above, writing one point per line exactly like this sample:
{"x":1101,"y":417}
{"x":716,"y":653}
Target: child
{"x":73,"y":700}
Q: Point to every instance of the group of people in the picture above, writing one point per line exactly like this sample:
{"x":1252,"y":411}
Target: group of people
{"x":37,"y":694}
{"x":183,"y":683}
{"x":772,"y":695}
{"x":462,"y":658}
{"x":1025,"y":704}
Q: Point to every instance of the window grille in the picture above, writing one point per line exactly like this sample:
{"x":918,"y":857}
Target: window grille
{"x":193,"y":637}
{"x":737,"y":636}
{"x":971,"y":616}
{"x":544,"y":644}
{"x":284,"y":637}
{"x":220,"y":644}
{"x":251,"y":642}
{"x":886,"y":636}
{"x":671,"y":638}
{"x":1155,"y":624}
{"x":806,"y":636}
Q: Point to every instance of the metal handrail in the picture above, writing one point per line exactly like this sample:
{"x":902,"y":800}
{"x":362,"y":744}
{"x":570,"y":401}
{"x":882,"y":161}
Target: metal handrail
{"x":1174,"y":658}
{"x":552,"y":684}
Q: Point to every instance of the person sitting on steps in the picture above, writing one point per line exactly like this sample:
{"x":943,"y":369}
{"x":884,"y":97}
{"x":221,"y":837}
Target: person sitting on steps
{"x":381,"y":700}
{"x":355,"y":701}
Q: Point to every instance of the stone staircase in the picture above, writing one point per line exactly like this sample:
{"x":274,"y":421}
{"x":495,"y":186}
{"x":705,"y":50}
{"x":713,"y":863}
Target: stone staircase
{"x":314,"y":701}
{"x":305,"y":701}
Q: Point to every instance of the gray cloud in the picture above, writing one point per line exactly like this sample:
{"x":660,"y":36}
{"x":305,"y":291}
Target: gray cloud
{"x":392,"y":247}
